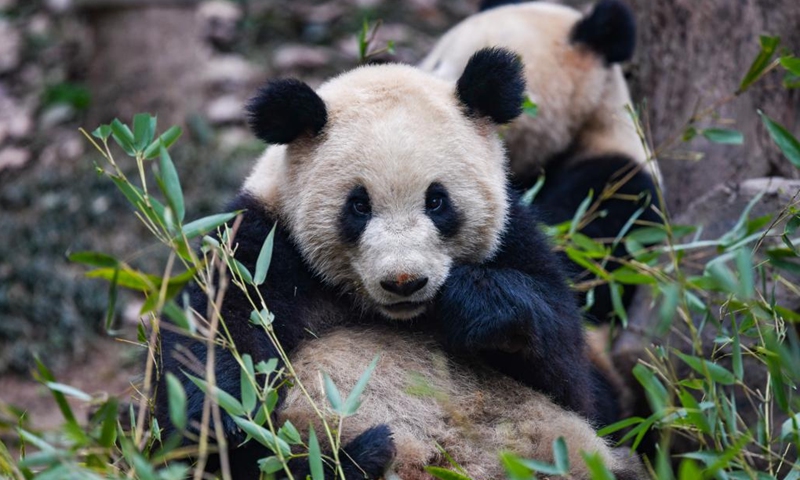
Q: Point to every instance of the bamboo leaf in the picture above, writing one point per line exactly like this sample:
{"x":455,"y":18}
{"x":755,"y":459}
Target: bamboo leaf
{"x":206,"y":224}
{"x":264,"y":257}
{"x":708,"y":369}
{"x":530,"y":195}
{"x":270,"y":465}
{"x":723,"y":136}
{"x":142,"y":130}
{"x":314,"y":456}
{"x":171,"y":185}
{"x":530,"y":108}
{"x":248,"y":391}
{"x":69,"y":391}
{"x":112,"y":299}
{"x":123,"y":136}
{"x":561,"y":455}
{"x":788,"y":144}
{"x":791,"y":63}
{"x":176,"y":397}
{"x":108,"y":429}
{"x":228,"y":402}
{"x":94,"y":259}
{"x":263,"y":436}
{"x":768,"y":47}
{"x":102,"y":132}
{"x":353,"y":400}
{"x":445,"y":474}
{"x":289,"y":433}
{"x":165,"y":140}
{"x":597,"y":468}
{"x":334,"y":397}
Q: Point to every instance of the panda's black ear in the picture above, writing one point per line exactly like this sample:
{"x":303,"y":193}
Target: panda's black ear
{"x":282,"y":110}
{"x":492,"y":85}
{"x":609,"y":30}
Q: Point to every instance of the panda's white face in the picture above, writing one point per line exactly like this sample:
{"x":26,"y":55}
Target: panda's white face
{"x":398,"y":186}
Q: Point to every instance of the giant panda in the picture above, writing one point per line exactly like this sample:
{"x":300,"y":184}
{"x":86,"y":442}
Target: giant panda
{"x":389,"y":194}
{"x":583,"y":138}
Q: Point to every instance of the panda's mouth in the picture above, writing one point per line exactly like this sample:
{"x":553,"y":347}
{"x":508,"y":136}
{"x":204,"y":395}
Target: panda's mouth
{"x":403,"y":310}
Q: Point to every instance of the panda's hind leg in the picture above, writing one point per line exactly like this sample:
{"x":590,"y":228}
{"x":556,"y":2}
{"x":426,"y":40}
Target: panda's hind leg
{"x":368,"y":456}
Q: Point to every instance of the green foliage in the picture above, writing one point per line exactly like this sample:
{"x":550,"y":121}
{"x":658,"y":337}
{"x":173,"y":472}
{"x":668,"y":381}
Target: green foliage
{"x":366,"y":38}
{"x":75,"y":95}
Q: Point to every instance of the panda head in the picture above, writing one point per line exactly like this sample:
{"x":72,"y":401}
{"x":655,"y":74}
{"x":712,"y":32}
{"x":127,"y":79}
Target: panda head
{"x":572,"y":73}
{"x":386,"y":176}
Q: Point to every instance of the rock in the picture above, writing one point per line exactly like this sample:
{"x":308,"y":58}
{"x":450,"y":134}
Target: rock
{"x":55,"y":115}
{"x":229,"y":139}
{"x":10,"y":45}
{"x":367,"y":3}
{"x":229,"y":73}
{"x":13,"y":157}
{"x":147,"y":58}
{"x":681,"y":66}
{"x":16,"y":120}
{"x":293,"y":57}
{"x":39,"y":25}
{"x":65,"y":147}
{"x":227,"y":109}
{"x":58,"y":6}
{"x":220,"y":22}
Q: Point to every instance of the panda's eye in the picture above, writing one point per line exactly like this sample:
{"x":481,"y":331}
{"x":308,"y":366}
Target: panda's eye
{"x":361,"y":207}
{"x":441,"y":210}
{"x":434,"y":203}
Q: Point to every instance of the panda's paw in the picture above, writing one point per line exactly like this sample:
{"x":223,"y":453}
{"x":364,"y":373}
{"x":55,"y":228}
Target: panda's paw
{"x":485,"y":309}
{"x":370,"y":454}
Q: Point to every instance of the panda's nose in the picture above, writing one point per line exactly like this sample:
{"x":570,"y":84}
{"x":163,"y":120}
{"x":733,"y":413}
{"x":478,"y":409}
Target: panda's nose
{"x":403,"y":287}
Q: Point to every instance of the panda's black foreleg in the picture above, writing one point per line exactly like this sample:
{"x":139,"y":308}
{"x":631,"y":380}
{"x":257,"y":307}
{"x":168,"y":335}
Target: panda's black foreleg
{"x":518,"y":312}
{"x":368,"y":456}
{"x":289,"y":291}
{"x":520,"y":327}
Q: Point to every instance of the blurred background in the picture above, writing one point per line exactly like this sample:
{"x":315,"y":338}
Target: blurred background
{"x":66,"y":64}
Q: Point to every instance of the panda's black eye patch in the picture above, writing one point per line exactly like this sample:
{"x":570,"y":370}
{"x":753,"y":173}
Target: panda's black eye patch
{"x":355,"y":215}
{"x":441,"y":211}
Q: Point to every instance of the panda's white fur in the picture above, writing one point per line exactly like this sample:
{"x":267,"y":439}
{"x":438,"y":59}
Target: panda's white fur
{"x":428,"y":399}
{"x":394,"y":130}
{"x":582,"y":99}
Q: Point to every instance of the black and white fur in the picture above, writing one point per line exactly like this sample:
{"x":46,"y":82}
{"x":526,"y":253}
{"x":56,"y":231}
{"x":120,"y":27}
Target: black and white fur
{"x":393,"y":208}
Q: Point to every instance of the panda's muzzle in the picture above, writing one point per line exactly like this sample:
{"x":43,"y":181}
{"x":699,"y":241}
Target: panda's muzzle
{"x":404,"y":288}
{"x":404,"y":308}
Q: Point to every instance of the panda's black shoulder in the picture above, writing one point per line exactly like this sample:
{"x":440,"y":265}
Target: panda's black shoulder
{"x":287,"y":265}
{"x":523,"y":243}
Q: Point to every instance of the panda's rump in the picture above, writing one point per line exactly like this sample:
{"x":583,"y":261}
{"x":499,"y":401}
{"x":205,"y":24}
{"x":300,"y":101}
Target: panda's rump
{"x":428,"y":398}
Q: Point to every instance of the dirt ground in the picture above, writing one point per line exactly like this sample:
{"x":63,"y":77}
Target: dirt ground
{"x":110,"y":370}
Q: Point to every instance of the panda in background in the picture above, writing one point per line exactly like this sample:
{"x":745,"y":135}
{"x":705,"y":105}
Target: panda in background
{"x":582,"y":138}
{"x":393,"y":208}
